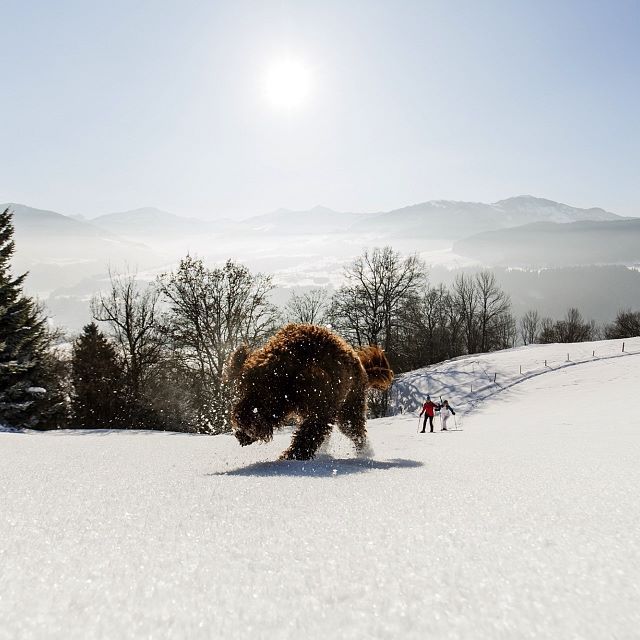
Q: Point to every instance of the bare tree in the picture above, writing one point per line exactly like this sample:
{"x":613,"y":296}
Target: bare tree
{"x":626,"y":325}
{"x":547,"y":333}
{"x":504,"y":331}
{"x":483,"y":310}
{"x":211,"y":312}
{"x":455,"y":328}
{"x":132,"y":315}
{"x":350,"y":315}
{"x":310,"y":307}
{"x":430,"y":329}
{"x":493,"y":307}
{"x":574,"y":328}
{"x":368,"y":308}
{"x":529,"y":327}
{"x":467,"y":303}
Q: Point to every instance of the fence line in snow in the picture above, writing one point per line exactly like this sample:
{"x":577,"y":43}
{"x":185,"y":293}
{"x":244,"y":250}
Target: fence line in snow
{"x":469,"y":398}
{"x":582,"y":361}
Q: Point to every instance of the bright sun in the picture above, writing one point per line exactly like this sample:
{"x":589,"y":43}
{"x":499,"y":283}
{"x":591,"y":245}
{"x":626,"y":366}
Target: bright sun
{"x":287,"y":83}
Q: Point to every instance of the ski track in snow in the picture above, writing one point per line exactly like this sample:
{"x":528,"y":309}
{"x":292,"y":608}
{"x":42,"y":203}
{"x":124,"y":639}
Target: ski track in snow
{"x":524,"y":525}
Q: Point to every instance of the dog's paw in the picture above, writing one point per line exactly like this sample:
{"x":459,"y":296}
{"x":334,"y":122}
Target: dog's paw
{"x":294,"y":455}
{"x":365,"y":451}
{"x":243,"y":438}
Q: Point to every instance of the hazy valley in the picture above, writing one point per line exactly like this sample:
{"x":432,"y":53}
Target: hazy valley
{"x":547,"y":255}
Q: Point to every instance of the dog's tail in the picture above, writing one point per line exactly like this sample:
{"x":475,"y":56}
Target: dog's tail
{"x":235,"y":362}
{"x":376,"y":365}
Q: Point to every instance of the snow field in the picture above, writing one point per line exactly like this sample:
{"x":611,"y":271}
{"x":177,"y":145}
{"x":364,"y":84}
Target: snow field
{"x":523,"y":525}
{"x":469,"y":380}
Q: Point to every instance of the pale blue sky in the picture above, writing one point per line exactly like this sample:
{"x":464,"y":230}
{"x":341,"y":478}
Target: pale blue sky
{"x":114,"y":105}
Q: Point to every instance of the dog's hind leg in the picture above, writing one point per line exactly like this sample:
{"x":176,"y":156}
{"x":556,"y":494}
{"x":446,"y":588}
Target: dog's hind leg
{"x":306,"y":440}
{"x":352,"y":421}
{"x":358,"y":435}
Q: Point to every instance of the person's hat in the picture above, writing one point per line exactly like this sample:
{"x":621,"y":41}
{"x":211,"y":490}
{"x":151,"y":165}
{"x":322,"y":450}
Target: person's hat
{"x":428,"y":397}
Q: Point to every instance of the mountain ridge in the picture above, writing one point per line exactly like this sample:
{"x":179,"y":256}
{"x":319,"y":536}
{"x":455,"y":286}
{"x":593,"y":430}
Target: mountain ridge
{"x":546,"y":243}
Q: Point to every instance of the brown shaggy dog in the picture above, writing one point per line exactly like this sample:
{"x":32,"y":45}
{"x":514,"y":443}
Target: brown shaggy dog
{"x":308,"y":372}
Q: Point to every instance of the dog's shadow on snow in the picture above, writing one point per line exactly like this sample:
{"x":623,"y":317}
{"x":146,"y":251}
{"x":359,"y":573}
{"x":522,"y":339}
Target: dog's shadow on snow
{"x":324,"y":467}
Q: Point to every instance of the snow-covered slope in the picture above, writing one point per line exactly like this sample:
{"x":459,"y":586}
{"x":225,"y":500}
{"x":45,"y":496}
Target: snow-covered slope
{"x":468,"y":380}
{"x":522,"y":525}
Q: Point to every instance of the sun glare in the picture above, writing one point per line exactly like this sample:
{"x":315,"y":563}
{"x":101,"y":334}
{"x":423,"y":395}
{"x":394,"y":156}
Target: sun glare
{"x":287,"y":83}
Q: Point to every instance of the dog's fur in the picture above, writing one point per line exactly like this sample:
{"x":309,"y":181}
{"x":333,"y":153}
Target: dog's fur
{"x":308,"y":372}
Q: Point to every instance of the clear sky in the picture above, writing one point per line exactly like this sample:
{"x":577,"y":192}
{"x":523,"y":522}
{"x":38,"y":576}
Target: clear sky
{"x":114,"y":105}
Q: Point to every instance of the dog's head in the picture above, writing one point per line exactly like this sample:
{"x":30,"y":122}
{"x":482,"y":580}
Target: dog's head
{"x":250,"y":423}
{"x":243,"y":438}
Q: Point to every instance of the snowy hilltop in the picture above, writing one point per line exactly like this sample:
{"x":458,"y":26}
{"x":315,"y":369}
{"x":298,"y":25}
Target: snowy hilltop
{"x":521,"y":524}
{"x":470,"y":380}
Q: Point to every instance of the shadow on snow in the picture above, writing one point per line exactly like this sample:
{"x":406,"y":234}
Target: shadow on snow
{"x":324,"y":467}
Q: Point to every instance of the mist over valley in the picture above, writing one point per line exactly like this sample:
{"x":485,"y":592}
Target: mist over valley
{"x":546,"y":255}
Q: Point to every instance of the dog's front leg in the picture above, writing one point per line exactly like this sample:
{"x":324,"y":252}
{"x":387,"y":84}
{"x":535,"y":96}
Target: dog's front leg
{"x":308,"y":438}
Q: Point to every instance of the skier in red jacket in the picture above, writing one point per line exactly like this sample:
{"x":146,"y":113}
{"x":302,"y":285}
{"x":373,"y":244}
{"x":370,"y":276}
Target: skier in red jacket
{"x":429,"y":408}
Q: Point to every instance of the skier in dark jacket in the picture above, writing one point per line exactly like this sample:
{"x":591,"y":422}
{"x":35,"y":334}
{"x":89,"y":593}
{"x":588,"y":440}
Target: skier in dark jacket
{"x":429,"y":408}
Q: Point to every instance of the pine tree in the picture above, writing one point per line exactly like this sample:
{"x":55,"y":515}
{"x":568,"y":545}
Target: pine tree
{"x":96,"y":379}
{"x":24,"y":401}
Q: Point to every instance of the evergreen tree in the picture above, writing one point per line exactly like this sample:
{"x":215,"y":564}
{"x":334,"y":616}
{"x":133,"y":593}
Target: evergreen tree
{"x":25,"y":400}
{"x":96,"y":379}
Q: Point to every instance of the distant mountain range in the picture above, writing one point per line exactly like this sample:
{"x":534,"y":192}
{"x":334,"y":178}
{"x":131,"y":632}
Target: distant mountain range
{"x":444,"y":219}
{"x":57,"y":250}
{"x":150,"y":236}
{"x":447,"y":219}
{"x":47,"y":224}
{"x":150,"y":222}
{"x":68,"y":257}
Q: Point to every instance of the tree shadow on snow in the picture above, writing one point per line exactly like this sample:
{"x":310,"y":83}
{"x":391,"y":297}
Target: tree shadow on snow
{"x":324,"y":467}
